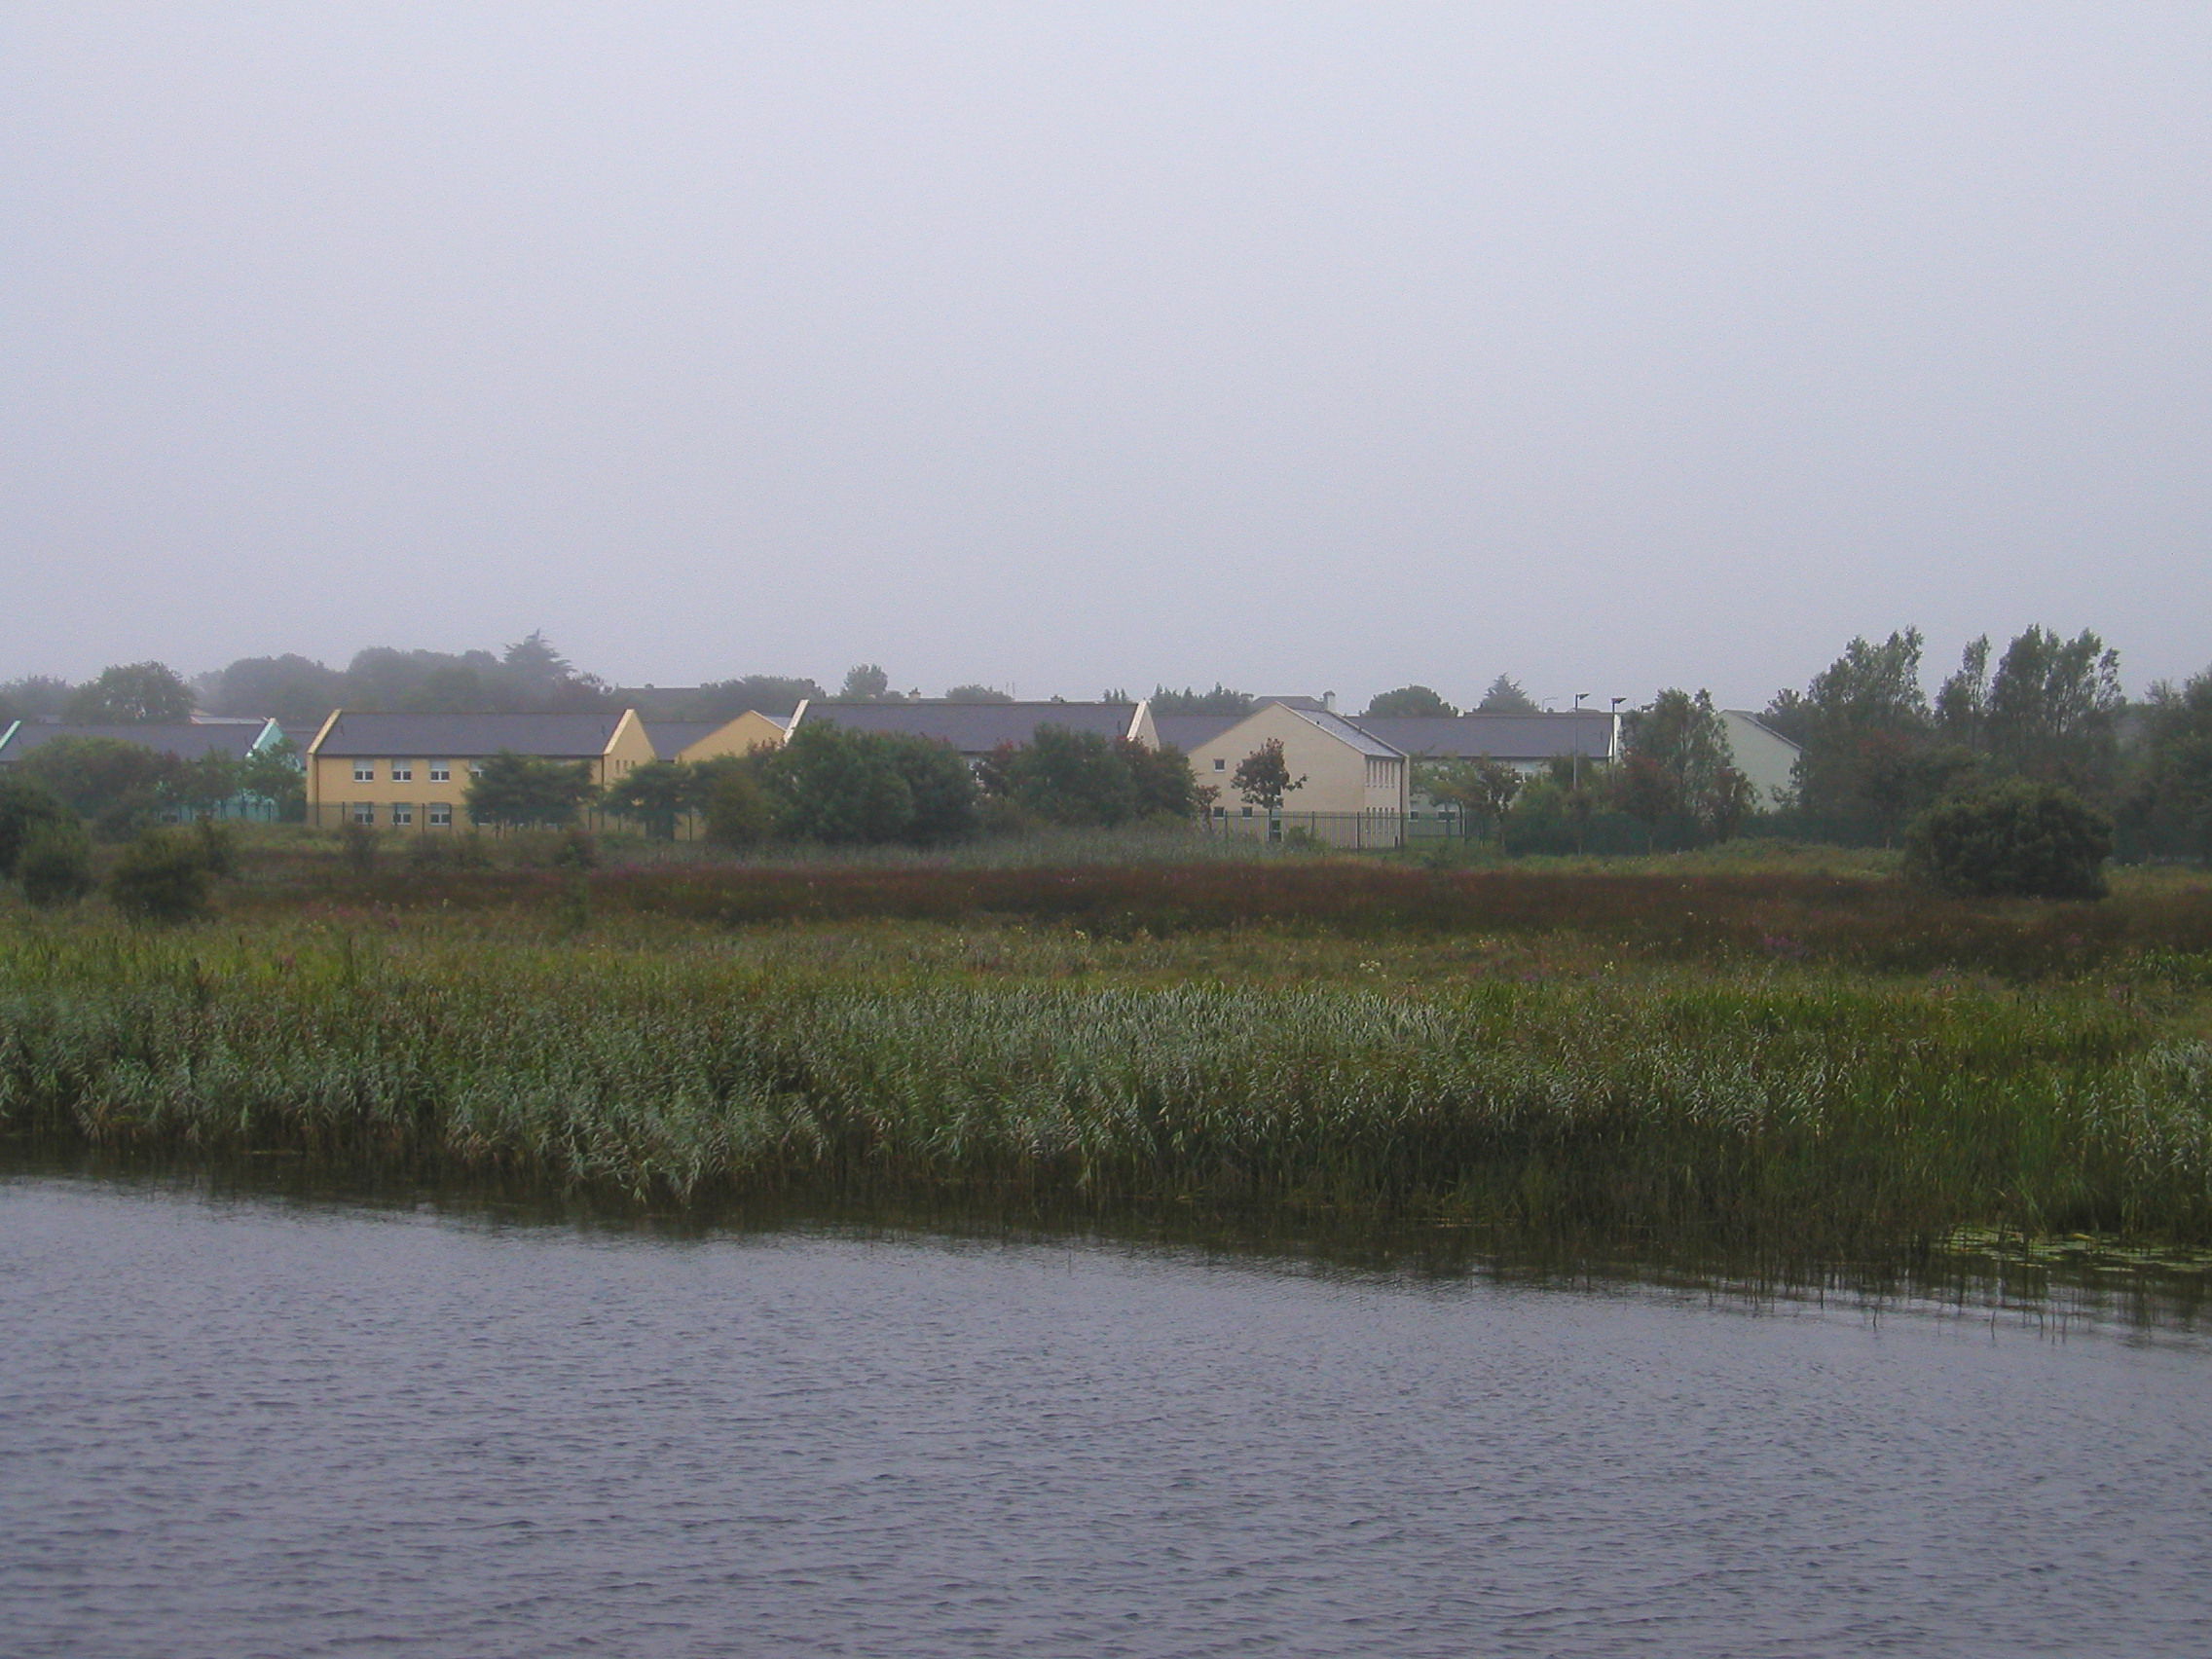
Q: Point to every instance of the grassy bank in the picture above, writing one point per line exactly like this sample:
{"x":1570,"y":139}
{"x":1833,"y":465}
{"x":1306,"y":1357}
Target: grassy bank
{"x":1569,"y":1067}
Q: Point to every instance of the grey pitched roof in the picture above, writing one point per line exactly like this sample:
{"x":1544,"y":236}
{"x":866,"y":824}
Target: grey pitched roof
{"x":424,"y":737}
{"x":185,"y":742}
{"x":1187,"y":731}
{"x":1344,"y":731}
{"x":975,"y":728}
{"x":1502,"y":737}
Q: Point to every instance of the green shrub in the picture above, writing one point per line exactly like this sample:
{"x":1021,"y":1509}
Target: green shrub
{"x":25,"y":805}
{"x":56,"y":863}
{"x":357,"y":846}
{"x":162,"y":876}
{"x":2018,"y":839}
{"x":577,"y":851}
{"x":218,"y":847}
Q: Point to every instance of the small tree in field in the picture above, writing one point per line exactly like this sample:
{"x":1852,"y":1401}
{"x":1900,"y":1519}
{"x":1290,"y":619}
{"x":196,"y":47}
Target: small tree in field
{"x":56,"y":863}
{"x":2018,"y":839}
{"x":1648,"y":793}
{"x":162,"y":878}
{"x":1262,"y":777}
{"x":1481,"y":790}
{"x":654,"y":795}
{"x":26,"y":806}
{"x":517,"y":790}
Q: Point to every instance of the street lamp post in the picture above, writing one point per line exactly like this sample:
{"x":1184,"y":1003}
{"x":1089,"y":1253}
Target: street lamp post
{"x":1578,"y":767}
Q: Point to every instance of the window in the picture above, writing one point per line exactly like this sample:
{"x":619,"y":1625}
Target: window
{"x":1219,"y":764}
{"x":364,"y":814}
{"x":1221,"y":812}
{"x":402,"y":816}
{"x":403,"y":771}
{"x":1246,"y":812}
{"x":441,"y":771}
{"x":364,"y":771}
{"x":441,"y":817}
{"x":476,"y":768}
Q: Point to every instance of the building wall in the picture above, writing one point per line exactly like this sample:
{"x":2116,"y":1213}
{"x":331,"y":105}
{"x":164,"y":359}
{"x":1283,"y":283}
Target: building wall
{"x":1766,"y":757}
{"x":751,"y":731}
{"x":411,"y":780}
{"x":1339,"y":778}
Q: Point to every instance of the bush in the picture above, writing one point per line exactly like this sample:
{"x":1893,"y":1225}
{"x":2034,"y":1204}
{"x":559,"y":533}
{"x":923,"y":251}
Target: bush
{"x":163,"y":876}
{"x":357,"y":846}
{"x":218,"y":847}
{"x":25,"y":805}
{"x":738,"y":810}
{"x":56,"y":863}
{"x":2018,"y":839}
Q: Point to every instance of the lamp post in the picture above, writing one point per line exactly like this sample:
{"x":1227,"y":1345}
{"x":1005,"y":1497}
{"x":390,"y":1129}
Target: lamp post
{"x":1577,"y":765}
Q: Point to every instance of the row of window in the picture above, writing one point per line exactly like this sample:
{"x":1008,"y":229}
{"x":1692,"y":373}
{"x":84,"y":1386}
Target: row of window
{"x":439,"y":814}
{"x":403,"y":771}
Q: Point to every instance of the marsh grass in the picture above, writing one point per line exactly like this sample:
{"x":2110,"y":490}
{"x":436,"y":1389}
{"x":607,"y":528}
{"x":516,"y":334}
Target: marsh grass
{"x":1501,"y":1081}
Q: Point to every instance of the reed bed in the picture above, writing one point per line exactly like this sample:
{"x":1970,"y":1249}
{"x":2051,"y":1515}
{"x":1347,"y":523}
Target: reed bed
{"x":1794,"y":1109}
{"x":1865,"y":924}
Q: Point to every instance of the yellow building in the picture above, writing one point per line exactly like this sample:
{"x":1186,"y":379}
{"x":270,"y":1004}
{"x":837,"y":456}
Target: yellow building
{"x":693,"y":741}
{"x":413,"y":771}
{"x":1354,"y":792}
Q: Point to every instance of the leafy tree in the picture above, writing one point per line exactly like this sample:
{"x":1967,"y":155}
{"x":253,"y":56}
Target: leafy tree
{"x":1221,"y":700}
{"x":1088,"y":780}
{"x":1262,"y":777}
{"x":202,"y":786}
{"x":981,"y":694}
{"x":739,"y":811}
{"x":862,"y":788}
{"x":942,"y":788}
{"x":295,"y":689}
{"x":1481,"y":790}
{"x":119,"y":786}
{"x":1860,"y":706}
{"x":275,"y":775}
{"x":867,"y":682}
{"x":837,"y":786}
{"x":655,"y":795}
{"x":1726,"y":801}
{"x":769,"y":693}
{"x":35,"y":696}
{"x":56,"y":863}
{"x":1961,"y":700}
{"x":1165,"y":785}
{"x":1505,"y":697}
{"x":2019,"y":839}
{"x":162,"y":878}
{"x":1074,"y":778}
{"x":27,"y":803}
{"x":133,"y":693}
{"x":516,"y":789}
{"x":1684,"y":736}
{"x":2052,"y":708}
{"x":423,"y":681}
{"x":537,"y":677}
{"x":1649,"y":791}
{"x":1409,"y":700}
{"x":2169,"y":801}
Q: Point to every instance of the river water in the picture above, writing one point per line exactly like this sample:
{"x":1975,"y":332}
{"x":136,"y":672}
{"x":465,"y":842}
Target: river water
{"x":242,"y":1427}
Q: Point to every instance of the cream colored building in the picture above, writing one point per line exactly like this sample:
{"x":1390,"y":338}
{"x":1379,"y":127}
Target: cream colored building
{"x":1355,"y":784}
{"x":413,"y":771}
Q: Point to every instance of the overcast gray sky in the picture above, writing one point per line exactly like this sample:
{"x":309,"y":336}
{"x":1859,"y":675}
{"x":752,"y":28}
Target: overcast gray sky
{"x":1065,"y":346}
